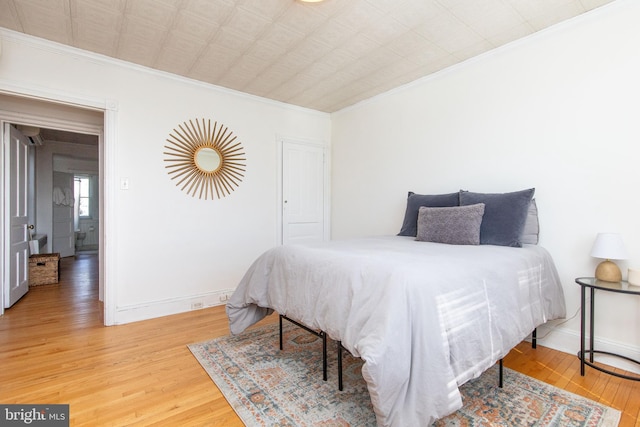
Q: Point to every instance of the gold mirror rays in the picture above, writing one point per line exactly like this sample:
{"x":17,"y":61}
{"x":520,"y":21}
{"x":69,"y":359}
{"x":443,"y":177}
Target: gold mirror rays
{"x":205,"y":159}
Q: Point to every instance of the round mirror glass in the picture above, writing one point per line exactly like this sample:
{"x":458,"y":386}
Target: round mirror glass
{"x":207,"y":159}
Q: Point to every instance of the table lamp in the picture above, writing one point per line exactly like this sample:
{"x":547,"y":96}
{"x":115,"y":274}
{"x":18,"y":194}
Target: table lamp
{"x":608,"y":246}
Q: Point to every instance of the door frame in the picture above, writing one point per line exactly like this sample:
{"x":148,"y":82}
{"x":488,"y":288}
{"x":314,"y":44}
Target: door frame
{"x":106,"y":155}
{"x":281,"y":140}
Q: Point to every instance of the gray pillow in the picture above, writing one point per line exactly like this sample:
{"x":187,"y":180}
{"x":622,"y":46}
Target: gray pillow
{"x":414,"y":201}
{"x":504,"y":215}
{"x":531,"y":231}
{"x":458,"y":225}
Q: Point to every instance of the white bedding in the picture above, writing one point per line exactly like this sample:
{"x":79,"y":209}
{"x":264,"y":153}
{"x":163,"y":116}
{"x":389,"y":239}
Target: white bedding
{"x":424,"y":317}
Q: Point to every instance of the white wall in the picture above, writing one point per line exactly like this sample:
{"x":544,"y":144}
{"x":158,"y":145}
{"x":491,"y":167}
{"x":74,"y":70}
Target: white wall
{"x":557,"y":111}
{"x":170,"y":250}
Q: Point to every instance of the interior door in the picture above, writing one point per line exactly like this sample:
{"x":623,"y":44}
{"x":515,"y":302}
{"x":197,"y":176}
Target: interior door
{"x":303,"y":193}
{"x":16,"y":152}
{"x":63,"y":202}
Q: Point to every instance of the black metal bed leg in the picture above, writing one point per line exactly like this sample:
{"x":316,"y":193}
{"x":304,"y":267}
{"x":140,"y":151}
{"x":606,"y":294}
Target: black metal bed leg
{"x":340,"y":365}
{"x":501,"y":374}
{"x":324,"y":356}
{"x":281,"y":332}
{"x":534,"y":338}
{"x":320,"y":334}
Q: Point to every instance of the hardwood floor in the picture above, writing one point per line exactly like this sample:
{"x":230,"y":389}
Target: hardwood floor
{"x":54,"y":349}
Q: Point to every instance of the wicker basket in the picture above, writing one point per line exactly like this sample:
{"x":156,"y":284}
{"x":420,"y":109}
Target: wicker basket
{"x":43,"y":269}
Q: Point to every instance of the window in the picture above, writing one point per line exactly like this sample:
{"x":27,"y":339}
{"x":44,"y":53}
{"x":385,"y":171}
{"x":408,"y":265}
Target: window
{"x":82,"y":195}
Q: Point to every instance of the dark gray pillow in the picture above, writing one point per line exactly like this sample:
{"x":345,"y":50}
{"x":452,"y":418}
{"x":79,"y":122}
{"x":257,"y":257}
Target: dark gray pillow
{"x":531,"y":231}
{"x":504,"y":215}
{"x":458,"y":225}
{"x":414,"y":201}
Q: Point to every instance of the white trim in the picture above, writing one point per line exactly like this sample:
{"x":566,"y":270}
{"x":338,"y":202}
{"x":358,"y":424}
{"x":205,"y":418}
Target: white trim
{"x":3,"y":268}
{"x":46,"y":94}
{"x":153,"y":309}
{"x":108,"y":266}
{"x":49,"y":122}
{"x":279,"y":200}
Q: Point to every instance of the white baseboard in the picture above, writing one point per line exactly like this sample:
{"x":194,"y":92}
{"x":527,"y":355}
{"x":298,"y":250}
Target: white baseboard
{"x":568,"y":341}
{"x":153,"y":309}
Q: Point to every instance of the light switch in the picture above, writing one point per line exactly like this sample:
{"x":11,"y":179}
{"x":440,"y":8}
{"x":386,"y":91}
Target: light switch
{"x":124,"y":183}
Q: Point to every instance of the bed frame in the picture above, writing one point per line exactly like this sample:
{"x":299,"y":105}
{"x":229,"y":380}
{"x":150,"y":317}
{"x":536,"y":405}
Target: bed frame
{"x":323,"y":335}
{"x":320,"y":334}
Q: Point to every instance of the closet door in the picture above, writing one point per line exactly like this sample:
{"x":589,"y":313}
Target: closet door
{"x":303,"y":193}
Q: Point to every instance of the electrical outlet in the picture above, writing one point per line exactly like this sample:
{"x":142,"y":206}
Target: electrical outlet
{"x":196,"y":305}
{"x":224,"y":297}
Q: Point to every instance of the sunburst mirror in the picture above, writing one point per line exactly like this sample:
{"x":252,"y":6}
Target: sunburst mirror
{"x":206,"y":160}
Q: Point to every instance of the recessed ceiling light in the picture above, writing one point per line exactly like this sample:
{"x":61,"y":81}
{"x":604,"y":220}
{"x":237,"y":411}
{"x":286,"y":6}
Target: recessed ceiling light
{"x":311,"y":1}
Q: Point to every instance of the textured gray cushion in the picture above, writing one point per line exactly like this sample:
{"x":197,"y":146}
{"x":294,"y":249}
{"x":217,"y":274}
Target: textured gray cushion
{"x":414,"y":201}
{"x":504,"y":215}
{"x":531,"y":232}
{"x":459,"y":225}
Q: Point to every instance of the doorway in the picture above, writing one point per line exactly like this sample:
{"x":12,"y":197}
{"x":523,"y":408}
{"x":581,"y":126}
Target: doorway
{"x":64,"y":126}
{"x":58,"y":207}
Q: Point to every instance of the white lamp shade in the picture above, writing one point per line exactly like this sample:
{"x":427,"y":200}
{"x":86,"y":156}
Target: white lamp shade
{"x":609,"y":246}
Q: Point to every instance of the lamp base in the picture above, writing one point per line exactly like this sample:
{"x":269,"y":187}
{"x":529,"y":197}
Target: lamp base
{"x":608,"y":271}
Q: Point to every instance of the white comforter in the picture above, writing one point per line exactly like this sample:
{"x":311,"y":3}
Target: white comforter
{"x":424,"y":317}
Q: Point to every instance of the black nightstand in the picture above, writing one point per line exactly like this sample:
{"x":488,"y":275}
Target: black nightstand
{"x":592,"y":283}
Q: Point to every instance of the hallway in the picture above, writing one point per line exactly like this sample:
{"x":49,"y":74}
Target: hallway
{"x":72,"y":303}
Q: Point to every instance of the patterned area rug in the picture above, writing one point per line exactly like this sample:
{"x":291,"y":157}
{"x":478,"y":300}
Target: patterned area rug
{"x":269,"y":387}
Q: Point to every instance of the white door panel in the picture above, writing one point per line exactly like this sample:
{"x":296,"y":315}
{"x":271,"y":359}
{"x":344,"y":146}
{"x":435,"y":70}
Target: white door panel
{"x":304,"y":232}
{"x":303,"y":193}
{"x":16,"y":152}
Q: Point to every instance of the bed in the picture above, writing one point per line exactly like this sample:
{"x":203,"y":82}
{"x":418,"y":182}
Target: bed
{"x":424,"y":316}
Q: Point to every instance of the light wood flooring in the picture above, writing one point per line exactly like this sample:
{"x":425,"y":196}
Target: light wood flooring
{"x":54,"y":349}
